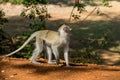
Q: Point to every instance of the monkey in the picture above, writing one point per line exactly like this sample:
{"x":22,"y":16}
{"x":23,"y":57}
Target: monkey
{"x":53,"y":40}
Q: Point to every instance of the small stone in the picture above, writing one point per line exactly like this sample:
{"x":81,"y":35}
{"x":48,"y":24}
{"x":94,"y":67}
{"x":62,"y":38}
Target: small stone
{"x":3,"y":71}
{"x":12,"y":76}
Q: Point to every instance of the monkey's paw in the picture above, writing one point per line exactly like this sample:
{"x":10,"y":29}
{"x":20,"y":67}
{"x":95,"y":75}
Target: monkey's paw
{"x":52,"y":63}
{"x":34,"y":62}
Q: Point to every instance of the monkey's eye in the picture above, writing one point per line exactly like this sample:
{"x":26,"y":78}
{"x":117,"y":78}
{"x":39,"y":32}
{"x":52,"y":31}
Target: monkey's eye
{"x":66,"y":29}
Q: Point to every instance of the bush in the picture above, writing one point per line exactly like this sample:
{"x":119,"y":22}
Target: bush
{"x":37,"y":15}
{"x":26,"y":2}
{"x":5,"y":39}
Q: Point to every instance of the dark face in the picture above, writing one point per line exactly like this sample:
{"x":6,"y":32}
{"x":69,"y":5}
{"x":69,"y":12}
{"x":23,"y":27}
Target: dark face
{"x":67,"y":29}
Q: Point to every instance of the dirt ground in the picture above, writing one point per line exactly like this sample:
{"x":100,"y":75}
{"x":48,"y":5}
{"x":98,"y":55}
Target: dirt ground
{"x":22,"y":69}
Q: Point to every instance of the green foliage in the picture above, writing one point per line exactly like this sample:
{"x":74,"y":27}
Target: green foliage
{"x":5,"y":39}
{"x":2,"y":19}
{"x":88,"y":52}
{"x":27,"y":51}
{"x":80,"y":5}
{"x":25,"y":2}
{"x":105,"y":3}
{"x":92,"y":38}
{"x":80,"y":9}
{"x":85,"y":55}
{"x":16,"y":1}
{"x":12,"y":1}
{"x":37,"y":15}
{"x":34,"y":2}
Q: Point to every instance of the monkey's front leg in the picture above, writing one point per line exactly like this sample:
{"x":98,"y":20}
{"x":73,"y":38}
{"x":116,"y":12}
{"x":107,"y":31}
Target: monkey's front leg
{"x":66,"y":49}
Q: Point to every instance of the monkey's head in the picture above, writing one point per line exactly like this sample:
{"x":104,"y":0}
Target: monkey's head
{"x":64,"y":29}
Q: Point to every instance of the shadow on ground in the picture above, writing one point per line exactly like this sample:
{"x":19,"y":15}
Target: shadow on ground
{"x":86,"y":38}
{"x":44,"y":69}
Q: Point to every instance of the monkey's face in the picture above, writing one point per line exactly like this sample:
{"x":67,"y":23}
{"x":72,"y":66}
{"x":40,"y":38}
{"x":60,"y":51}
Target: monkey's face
{"x":65,"y":28}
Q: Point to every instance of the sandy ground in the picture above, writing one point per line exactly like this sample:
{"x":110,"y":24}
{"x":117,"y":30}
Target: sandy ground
{"x":63,"y":12}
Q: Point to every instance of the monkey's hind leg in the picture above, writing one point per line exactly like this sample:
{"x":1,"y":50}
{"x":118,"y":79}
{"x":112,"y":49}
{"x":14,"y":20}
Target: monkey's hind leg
{"x":34,"y":55}
{"x":49,"y":52}
{"x":37,"y":51}
{"x":56,"y":54}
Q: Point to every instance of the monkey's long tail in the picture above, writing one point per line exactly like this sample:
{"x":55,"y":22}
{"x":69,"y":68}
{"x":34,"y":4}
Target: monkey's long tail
{"x":25,"y":43}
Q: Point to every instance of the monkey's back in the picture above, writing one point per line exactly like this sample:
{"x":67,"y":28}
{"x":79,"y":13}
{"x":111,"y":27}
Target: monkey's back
{"x":49,"y":36}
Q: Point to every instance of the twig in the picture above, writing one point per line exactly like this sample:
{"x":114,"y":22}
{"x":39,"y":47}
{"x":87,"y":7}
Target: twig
{"x":88,"y":14}
{"x":71,"y":14}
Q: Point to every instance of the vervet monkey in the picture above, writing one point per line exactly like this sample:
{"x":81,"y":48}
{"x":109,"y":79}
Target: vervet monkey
{"x":53,"y":40}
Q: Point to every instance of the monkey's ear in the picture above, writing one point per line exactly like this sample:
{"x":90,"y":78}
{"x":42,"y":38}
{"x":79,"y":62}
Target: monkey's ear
{"x":61,"y":27}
